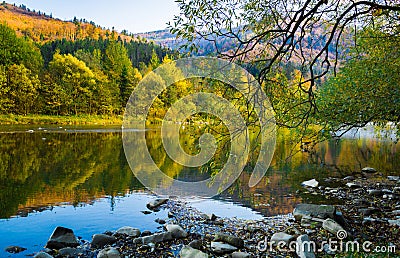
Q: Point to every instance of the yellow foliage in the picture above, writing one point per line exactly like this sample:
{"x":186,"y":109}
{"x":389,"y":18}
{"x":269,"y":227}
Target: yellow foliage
{"x":42,"y":28}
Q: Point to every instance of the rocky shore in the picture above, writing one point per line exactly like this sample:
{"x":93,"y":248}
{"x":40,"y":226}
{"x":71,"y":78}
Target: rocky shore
{"x":367,"y":221}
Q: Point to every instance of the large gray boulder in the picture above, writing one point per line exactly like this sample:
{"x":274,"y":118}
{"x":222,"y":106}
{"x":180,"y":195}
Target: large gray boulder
{"x":189,"y":252}
{"x":229,"y":239}
{"x":314,"y":211}
{"x":222,"y":248}
{"x":332,"y":227}
{"x":176,"y":231}
{"x":62,"y":237}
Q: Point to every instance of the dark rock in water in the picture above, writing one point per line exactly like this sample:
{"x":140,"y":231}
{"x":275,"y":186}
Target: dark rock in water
{"x":189,"y":252}
{"x":155,"y":204}
{"x":101,"y":240}
{"x":146,"y":212}
{"x":62,"y":237}
{"x":211,"y":217}
{"x":160,"y":221}
{"x":232,"y":240}
{"x":176,"y":231}
{"x":109,"y":252}
{"x":43,"y":255}
{"x":133,"y":232}
{"x":14,"y":249}
{"x":315,"y":211}
{"x":369,"y":170}
{"x":196,"y":244}
{"x":146,"y":233}
{"x":222,"y":248}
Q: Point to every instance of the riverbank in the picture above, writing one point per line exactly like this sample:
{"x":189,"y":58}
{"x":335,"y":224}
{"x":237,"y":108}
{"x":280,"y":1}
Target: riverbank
{"x":60,"y":120}
{"x":366,"y":224}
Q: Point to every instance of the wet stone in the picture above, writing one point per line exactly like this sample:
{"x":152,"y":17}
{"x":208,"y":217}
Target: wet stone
{"x":14,"y":249}
{"x":146,"y":233}
{"x":313,"y":210}
{"x":130,"y":231}
{"x":62,"y":237}
{"x":332,"y":226}
{"x":101,"y":240}
{"x":196,"y":244}
{"x":155,"y":204}
{"x":222,"y":248}
{"x":229,"y":239}
{"x":176,"y":231}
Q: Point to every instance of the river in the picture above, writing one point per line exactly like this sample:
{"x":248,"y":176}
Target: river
{"x":78,"y":177}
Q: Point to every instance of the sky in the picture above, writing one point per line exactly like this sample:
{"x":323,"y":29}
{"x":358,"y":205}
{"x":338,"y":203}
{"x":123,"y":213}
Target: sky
{"x":133,"y":15}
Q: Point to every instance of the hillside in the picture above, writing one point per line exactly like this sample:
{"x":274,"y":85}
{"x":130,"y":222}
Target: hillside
{"x":43,"y":27}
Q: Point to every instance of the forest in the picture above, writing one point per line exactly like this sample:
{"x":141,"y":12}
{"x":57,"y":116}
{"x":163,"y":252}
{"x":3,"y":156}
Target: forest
{"x":330,"y":78}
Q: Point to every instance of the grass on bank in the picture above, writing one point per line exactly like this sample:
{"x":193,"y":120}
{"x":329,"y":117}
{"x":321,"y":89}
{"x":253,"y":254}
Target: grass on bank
{"x":61,"y":120}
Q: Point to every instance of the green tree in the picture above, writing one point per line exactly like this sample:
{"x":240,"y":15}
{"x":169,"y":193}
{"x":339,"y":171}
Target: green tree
{"x":14,"y":50}
{"x":120,"y":70}
{"x":23,"y":86}
{"x":76,"y":81}
{"x":4,"y":90}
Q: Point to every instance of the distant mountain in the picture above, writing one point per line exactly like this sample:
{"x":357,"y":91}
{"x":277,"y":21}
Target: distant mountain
{"x":42,"y":27}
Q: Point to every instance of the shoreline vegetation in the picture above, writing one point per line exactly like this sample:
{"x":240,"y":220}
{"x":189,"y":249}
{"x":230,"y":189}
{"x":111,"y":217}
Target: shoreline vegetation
{"x":12,"y":119}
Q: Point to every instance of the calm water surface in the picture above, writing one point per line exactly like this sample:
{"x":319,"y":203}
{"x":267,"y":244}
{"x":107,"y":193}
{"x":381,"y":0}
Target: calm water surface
{"x":78,"y":177}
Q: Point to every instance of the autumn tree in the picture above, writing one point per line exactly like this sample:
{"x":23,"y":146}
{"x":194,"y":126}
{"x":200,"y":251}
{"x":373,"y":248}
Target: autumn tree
{"x":23,"y":86}
{"x":268,"y":34}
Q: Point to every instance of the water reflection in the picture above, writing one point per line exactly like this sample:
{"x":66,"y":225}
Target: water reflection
{"x":45,"y":169}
